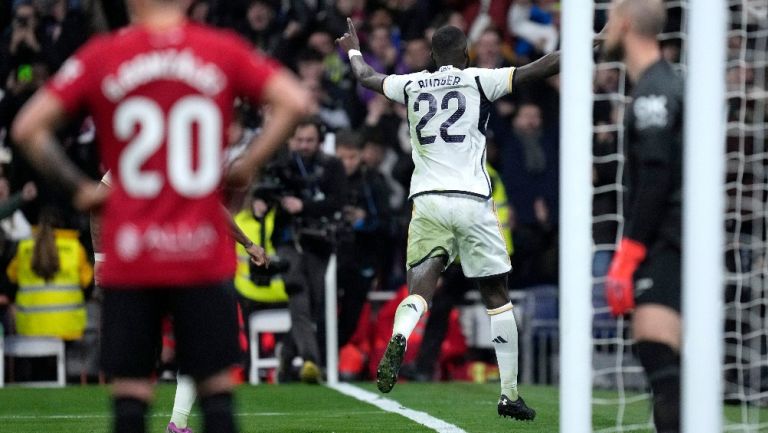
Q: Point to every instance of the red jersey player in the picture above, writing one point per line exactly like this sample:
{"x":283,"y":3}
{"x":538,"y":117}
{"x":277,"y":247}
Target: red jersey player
{"x":161,"y":94}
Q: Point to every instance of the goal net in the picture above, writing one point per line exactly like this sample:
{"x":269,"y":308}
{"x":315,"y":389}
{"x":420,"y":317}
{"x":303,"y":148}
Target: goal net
{"x":618,"y":380}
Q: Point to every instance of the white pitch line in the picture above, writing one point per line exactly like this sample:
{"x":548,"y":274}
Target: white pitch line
{"x":389,"y":405}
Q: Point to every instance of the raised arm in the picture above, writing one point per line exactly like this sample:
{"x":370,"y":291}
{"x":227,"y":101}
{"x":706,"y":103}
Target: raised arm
{"x":364,"y":73}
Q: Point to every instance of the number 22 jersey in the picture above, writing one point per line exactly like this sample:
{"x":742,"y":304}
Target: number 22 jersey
{"x":162,"y":102}
{"x":448,"y":113}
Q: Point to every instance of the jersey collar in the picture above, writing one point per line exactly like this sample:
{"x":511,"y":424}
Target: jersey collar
{"x":445,"y":68}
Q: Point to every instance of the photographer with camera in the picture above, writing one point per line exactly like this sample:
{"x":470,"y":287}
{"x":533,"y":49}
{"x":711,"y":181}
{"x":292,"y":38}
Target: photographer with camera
{"x":22,"y":46}
{"x":312,"y":187}
{"x":367,"y":214}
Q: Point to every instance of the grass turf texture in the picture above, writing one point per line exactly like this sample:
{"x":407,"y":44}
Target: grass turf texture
{"x":304,"y":408}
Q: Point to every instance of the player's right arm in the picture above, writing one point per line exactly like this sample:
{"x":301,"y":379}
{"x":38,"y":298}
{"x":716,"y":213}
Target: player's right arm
{"x":34,"y":133}
{"x":364,"y":73}
{"x":34,"y":128}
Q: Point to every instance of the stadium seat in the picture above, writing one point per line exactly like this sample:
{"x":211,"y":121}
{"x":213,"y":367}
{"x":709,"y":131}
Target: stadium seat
{"x":16,"y":346}
{"x":273,"y":321}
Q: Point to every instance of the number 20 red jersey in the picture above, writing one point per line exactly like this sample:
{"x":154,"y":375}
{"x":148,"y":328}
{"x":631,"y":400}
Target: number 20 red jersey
{"x":162,"y":103}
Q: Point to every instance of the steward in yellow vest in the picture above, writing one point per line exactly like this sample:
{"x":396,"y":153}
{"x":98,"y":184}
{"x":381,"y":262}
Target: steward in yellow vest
{"x":267,"y":289}
{"x":51,"y":271}
{"x":500,"y":200}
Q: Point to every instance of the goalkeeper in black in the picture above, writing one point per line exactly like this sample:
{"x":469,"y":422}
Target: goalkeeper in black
{"x":644,"y":275}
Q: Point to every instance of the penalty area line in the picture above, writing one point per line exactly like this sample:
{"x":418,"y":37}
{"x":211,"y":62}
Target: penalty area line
{"x":389,"y":405}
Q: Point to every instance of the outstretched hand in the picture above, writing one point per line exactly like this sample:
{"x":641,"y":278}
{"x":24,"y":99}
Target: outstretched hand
{"x":349,"y":40}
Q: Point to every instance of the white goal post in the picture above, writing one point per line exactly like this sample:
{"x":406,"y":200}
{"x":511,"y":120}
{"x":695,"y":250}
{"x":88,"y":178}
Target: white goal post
{"x":576,"y":217}
{"x":703,"y":210}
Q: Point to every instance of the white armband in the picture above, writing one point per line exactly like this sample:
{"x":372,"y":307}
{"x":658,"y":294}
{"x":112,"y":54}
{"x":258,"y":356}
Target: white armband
{"x":352,"y":53}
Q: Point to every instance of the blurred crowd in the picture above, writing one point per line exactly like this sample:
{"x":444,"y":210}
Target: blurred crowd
{"x":342,"y":181}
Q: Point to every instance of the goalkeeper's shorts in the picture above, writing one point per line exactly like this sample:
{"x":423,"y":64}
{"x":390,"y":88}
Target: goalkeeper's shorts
{"x":452,"y":225}
{"x":657,"y":280}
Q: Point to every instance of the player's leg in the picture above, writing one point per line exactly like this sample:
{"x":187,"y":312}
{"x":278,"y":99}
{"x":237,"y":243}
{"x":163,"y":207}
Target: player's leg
{"x":656,"y":326}
{"x":205,"y":325}
{"x":183,"y":401}
{"x":495,"y":296}
{"x":130,"y":338}
{"x":485,"y":260}
{"x":451,"y":292}
{"x":422,"y":281}
{"x":657,"y":331}
{"x":431,"y":246}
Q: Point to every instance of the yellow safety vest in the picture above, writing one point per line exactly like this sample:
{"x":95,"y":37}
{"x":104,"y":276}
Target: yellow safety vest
{"x":252,"y":228}
{"x":53,"y":308}
{"x":499,"y":195}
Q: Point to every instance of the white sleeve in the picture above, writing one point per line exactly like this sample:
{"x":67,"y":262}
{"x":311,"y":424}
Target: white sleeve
{"x":394,"y":86}
{"x":495,"y":82}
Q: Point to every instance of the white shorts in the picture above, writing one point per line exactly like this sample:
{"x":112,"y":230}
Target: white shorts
{"x":460,"y":225}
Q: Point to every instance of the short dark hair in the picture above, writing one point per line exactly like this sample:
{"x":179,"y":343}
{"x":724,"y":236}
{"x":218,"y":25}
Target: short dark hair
{"x":312,"y":121}
{"x":449,"y":42}
{"x":347,"y":139}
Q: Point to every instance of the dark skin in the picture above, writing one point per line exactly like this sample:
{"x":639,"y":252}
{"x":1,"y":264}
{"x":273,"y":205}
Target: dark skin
{"x":422,"y":279}
{"x":540,"y":69}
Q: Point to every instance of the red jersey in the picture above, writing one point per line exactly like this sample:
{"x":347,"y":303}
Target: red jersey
{"x":162,"y":103}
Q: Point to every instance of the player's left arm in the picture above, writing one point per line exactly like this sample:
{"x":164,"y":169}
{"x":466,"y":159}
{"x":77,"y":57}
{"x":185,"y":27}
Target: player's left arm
{"x":364,"y":73}
{"x":544,"y":67}
{"x":33,"y":131}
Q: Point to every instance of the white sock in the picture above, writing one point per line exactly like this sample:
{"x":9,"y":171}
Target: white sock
{"x":504,"y":332}
{"x":408,"y":314}
{"x":185,"y":398}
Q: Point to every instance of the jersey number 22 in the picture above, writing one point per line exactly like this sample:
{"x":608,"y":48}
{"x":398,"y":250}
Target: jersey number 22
{"x":460,"y":109}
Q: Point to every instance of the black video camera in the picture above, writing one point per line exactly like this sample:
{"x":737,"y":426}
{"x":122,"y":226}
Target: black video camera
{"x":262,"y":275}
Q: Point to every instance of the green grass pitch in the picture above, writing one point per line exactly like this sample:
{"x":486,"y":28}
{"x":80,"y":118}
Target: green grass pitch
{"x":303,"y":408}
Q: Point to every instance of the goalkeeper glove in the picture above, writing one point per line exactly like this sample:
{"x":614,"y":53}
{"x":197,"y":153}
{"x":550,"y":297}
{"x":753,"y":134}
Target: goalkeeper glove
{"x":619,"y":284}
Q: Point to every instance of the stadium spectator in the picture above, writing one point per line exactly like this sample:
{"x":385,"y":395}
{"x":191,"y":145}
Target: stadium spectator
{"x":12,"y":221}
{"x":313,"y":190}
{"x":22,"y":45}
{"x":533,"y":22}
{"x":416,"y":57}
{"x":361,"y":253}
{"x":52,"y":271}
{"x":529,"y":157}
{"x":488,"y":50}
{"x":259,"y":25}
{"x":62,"y":30}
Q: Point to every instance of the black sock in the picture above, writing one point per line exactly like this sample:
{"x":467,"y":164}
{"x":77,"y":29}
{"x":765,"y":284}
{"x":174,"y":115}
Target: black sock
{"x":662,"y":367}
{"x":129,"y":415}
{"x":217,"y":413}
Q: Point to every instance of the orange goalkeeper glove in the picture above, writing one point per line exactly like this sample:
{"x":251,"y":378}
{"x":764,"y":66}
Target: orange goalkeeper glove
{"x":619,"y":283}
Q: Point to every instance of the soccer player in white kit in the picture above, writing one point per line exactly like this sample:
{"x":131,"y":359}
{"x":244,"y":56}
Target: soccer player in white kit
{"x":453,"y":213}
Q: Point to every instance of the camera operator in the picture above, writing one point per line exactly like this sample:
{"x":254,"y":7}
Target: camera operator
{"x":313,"y":189}
{"x":22,"y":47}
{"x":367,"y":213}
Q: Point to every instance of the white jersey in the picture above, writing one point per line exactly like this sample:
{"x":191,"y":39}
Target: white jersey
{"x":448,"y":113}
